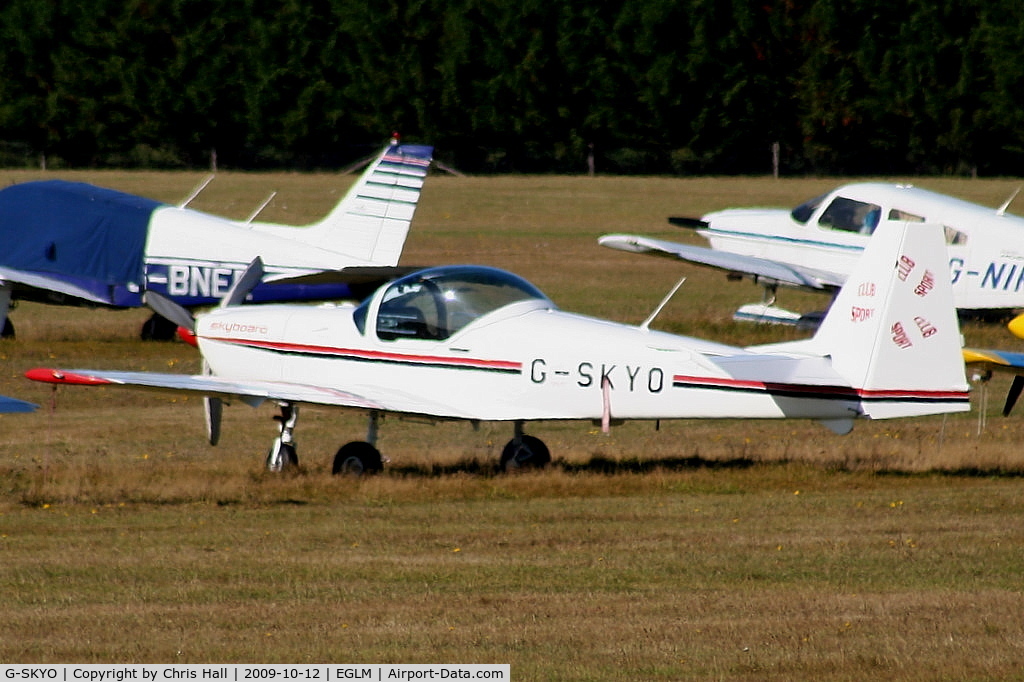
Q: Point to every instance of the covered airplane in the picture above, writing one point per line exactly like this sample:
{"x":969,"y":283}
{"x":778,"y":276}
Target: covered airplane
{"x":8,"y":404}
{"x":480,"y":344}
{"x":73,"y":243}
{"x":815,"y":245}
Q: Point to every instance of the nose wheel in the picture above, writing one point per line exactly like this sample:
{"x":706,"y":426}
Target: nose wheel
{"x":282,"y":453}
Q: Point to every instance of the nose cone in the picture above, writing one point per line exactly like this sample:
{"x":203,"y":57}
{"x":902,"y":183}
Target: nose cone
{"x":1017,"y":326}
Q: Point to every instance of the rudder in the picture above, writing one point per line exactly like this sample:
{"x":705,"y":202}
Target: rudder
{"x":892,"y":331}
{"x":371,"y":222}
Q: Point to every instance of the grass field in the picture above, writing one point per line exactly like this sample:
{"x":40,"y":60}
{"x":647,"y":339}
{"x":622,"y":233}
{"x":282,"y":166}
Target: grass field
{"x":724,"y":550}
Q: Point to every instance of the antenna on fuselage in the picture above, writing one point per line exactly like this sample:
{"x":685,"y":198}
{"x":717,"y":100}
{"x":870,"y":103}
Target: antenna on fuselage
{"x":195,"y":192}
{"x":1002,"y":209}
{"x":650,"y":318}
{"x":259,"y":209}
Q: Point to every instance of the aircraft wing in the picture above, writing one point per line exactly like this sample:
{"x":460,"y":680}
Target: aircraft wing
{"x":995,"y":360}
{"x":751,"y":266}
{"x":42,"y":282}
{"x":252,"y":393}
{"x":999,"y":361}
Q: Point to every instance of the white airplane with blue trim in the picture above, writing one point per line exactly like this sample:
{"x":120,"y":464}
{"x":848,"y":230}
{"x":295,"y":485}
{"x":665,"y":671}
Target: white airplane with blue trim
{"x":815,"y":245}
{"x":480,"y":344}
{"x":73,"y":243}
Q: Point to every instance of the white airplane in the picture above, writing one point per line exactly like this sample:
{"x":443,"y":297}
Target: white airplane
{"x":815,"y":245}
{"x":479,"y":344}
{"x":73,"y":243}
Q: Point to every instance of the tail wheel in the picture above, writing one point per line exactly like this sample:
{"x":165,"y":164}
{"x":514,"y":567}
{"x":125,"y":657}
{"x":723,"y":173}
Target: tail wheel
{"x":525,"y":452}
{"x":357,"y":458}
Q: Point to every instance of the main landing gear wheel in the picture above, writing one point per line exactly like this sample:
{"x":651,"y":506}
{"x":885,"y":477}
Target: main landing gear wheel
{"x":158,"y":328}
{"x":524,"y":452}
{"x":357,"y":458}
{"x":282,"y":456}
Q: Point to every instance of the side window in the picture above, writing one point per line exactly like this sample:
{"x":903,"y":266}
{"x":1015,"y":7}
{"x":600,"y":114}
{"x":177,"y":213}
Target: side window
{"x":850,"y":215}
{"x":954,"y":237}
{"x":904,"y":216}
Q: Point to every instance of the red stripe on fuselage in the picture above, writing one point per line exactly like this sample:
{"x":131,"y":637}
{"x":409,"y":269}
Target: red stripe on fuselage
{"x":372,"y":355}
{"x":822,"y":391}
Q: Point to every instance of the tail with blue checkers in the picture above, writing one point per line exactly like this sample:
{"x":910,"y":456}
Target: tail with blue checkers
{"x":371,"y":222}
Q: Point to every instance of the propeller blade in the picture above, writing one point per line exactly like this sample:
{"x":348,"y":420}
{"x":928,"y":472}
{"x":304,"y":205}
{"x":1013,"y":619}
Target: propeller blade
{"x":1014,"y":393}
{"x":245,"y":282}
{"x":168,"y":309}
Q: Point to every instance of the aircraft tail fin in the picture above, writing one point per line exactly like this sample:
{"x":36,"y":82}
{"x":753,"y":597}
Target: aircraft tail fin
{"x":892,"y":331}
{"x":371,"y":222}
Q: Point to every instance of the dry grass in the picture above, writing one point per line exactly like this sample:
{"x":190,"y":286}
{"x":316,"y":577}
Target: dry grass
{"x":730,"y":550}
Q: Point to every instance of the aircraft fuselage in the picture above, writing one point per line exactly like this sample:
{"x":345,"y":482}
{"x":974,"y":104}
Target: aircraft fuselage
{"x":986,"y":247}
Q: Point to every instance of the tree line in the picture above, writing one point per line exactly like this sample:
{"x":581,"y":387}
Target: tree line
{"x":639,"y":86}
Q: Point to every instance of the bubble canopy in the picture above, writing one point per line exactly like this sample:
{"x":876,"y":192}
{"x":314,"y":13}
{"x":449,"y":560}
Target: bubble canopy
{"x":435,"y":303}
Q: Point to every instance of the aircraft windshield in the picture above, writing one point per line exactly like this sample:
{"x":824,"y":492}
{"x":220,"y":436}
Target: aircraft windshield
{"x":436,"y":303}
{"x":850,"y":215}
{"x":804,"y":211}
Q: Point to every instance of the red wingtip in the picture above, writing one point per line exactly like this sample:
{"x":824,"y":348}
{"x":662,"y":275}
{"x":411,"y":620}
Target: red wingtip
{"x":56,"y":376}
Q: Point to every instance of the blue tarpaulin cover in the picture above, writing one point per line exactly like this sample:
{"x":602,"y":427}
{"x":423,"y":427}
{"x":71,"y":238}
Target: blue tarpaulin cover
{"x":92,"y":236}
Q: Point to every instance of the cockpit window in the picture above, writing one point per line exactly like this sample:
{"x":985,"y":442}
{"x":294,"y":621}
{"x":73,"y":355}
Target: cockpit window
{"x":436,"y":303}
{"x":804,"y":211}
{"x":850,"y":215}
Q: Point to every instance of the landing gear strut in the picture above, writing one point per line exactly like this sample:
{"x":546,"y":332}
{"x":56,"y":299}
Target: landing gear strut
{"x":282,"y":453}
{"x":362,"y":457}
